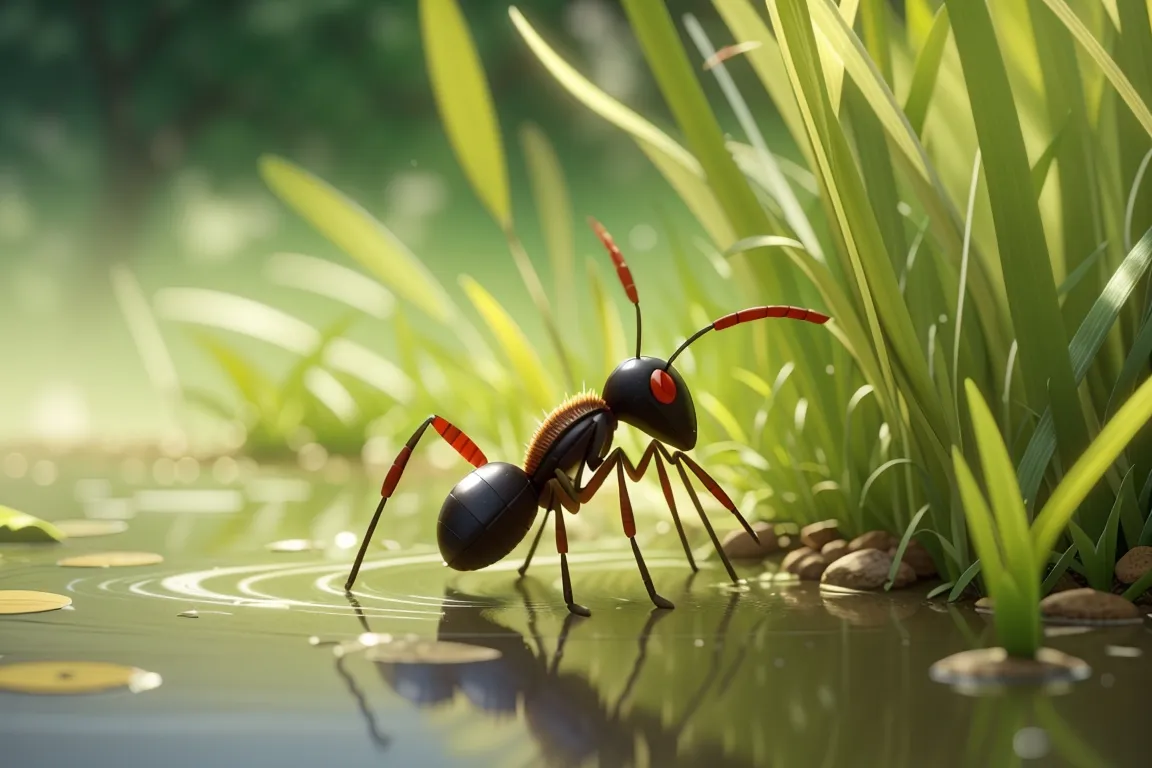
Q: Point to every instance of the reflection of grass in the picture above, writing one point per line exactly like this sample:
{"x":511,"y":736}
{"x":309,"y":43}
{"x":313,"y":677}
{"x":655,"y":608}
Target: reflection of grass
{"x":885,"y":223}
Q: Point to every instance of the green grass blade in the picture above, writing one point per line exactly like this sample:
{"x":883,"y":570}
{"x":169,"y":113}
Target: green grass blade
{"x":900,"y":549}
{"x":980,"y":523}
{"x":876,"y":475}
{"x":1024,"y":258}
{"x":762,"y":241}
{"x":1106,"y":63}
{"x":1131,"y":520}
{"x":690,"y":185}
{"x":358,"y":234}
{"x":1082,"y":350}
{"x":1083,"y":268}
{"x":717,"y":410}
{"x":1007,"y":505}
{"x":465,"y":104}
{"x":1058,"y":570}
{"x":554,"y":210}
{"x":938,"y":590}
{"x":1133,"y":194}
{"x":256,"y":389}
{"x":970,"y":573}
{"x":1107,"y":544}
{"x":925,"y":71}
{"x":1087,"y":471}
{"x":1098,"y":573}
{"x":520,"y":353}
{"x":1139,"y":587}
{"x":1043,"y":163}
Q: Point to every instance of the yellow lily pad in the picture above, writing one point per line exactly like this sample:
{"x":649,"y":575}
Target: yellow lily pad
{"x":71,"y":677}
{"x":20,"y":528}
{"x":17,"y":601}
{"x":111,"y":560}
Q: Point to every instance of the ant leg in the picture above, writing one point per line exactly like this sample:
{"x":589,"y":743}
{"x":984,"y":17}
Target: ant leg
{"x":714,"y":489}
{"x":535,"y":542}
{"x":630,"y":531}
{"x":453,"y":436}
{"x":671,"y":500}
{"x":566,"y":579}
{"x":707,"y":524}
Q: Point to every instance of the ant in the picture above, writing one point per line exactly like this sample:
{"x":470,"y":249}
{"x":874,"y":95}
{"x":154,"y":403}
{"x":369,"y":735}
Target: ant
{"x":491,"y":510}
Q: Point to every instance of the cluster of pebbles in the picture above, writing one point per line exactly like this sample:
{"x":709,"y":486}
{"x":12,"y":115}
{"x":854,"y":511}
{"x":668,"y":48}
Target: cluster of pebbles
{"x":824,"y":555}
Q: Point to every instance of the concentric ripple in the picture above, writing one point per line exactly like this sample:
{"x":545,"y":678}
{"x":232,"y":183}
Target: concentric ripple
{"x":317,"y":586}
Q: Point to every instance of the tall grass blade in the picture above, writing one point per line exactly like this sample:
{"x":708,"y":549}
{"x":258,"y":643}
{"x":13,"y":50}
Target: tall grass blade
{"x":1133,"y":194}
{"x":926,"y":70}
{"x":1131,"y":521}
{"x":903,"y":546}
{"x":1043,"y":163}
{"x":1082,"y":350}
{"x":554,"y":209}
{"x":358,"y":234}
{"x":1082,"y":269}
{"x":465,"y":104}
{"x":1058,"y":570}
{"x":966,"y":578}
{"x":963,"y":291}
{"x":1024,"y":258}
{"x":1134,"y":364}
{"x":516,"y":347}
{"x":331,"y":280}
{"x":1091,"y":466}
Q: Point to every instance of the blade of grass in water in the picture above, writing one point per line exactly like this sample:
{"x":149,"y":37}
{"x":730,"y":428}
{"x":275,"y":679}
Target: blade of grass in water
{"x":465,"y":104}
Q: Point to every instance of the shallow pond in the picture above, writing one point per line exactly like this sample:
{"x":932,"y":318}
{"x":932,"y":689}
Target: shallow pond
{"x":262,"y":660}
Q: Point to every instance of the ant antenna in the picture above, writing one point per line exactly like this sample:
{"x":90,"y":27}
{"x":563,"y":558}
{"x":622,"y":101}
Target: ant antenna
{"x":622,"y":272}
{"x":752,"y":313}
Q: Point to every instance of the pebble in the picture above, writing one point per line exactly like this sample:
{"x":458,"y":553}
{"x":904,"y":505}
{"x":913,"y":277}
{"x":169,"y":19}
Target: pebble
{"x":985,"y":605}
{"x":795,"y":556}
{"x":863,"y":569}
{"x":1088,"y":605}
{"x":812,"y":567}
{"x":816,"y":535}
{"x":738,"y":545}
{"x":881,"y":540}
{"x":1135,"y":563}
{"x":983,"y":666}
{"x":834,"y":550}
{"x":918,"y":558}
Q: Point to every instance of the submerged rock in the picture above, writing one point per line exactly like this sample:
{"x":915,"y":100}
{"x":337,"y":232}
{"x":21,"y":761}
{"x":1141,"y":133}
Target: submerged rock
{"x":918,"y":558}
{"x":985,"y":605}
{"x":811,"y":567}
{"x":881,"y":540}
{"x":993,"y":666}
{"x":1088,"y":605}
{"x":740,"y":546}
{"x":1135,"y":563}
{"x":834,"y":550}
{"x":864,"y":569}
{"x":816,"y":535}
{"x":795,"y":556}
{"x":905,"y":575}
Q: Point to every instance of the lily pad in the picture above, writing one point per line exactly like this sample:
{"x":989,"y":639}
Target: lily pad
{"x":20,"y":528}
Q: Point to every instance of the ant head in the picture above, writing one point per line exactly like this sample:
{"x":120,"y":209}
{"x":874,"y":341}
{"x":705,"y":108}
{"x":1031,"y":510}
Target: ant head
{"x":650,"y":395}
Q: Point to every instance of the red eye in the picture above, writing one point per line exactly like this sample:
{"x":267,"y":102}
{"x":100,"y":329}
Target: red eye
{"x":663,"y":387}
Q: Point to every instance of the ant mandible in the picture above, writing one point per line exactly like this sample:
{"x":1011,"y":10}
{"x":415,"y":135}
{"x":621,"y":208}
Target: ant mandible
{"x":491,"y":510}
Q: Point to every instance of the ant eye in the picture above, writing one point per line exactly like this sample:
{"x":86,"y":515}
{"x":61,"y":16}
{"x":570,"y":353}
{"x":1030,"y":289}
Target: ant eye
{"x":663,"y":387}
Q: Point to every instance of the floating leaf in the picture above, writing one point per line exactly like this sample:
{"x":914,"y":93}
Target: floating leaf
{"x":18,"y":527}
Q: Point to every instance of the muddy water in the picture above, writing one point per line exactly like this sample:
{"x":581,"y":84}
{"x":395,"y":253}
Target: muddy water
{"x":259,"y":661}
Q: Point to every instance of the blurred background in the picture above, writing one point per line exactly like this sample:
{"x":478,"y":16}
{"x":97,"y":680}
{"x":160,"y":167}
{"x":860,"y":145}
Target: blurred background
{"x":130,"y":135}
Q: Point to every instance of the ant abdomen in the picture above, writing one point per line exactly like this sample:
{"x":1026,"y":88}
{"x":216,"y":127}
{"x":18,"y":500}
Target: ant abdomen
{"x":485,"y":516}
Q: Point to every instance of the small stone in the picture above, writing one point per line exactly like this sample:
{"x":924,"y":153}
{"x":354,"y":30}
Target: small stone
{"x":917,"y":556}
{"x":816,"y":535}
{"x":1135,"y":563}
{"x":985,"y":605}
{"x":1088,"y":605}
{"x":795,"y":556}
{"x":811,"y":567}
{"x":738,"y":545}
{"x":994,"y":667}
{"x":834,"y":550}
{"x":881,"y":540}
{"x":864,"y":569}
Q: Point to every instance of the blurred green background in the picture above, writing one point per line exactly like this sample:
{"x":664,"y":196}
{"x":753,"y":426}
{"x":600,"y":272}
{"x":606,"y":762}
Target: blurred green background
{"x":130,"y":133}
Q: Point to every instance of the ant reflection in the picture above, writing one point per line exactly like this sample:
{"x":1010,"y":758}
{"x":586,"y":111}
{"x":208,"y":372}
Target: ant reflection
{"x":563,"y":710}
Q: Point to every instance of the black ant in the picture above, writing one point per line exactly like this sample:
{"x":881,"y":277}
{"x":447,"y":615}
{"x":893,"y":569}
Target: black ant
{"x":564,"y":710}
{"x":491,"y":510}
